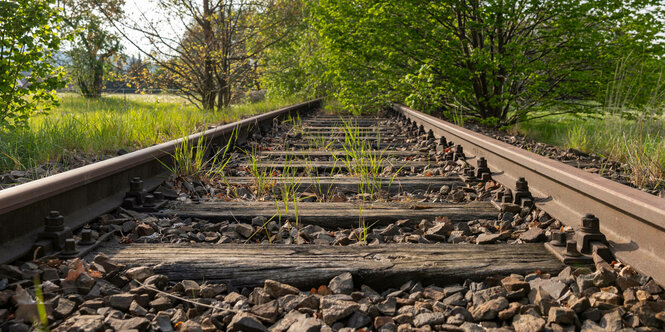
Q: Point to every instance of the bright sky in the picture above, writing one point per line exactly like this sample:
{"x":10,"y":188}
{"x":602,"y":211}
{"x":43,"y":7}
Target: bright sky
{"x":133,"y":9}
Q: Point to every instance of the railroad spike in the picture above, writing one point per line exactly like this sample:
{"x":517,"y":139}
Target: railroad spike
{"x":430,"y":134}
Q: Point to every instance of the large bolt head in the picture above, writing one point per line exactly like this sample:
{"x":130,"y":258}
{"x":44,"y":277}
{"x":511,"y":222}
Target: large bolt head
{"x":571,"y":249}
{"x":590,"y":223}
{"x":522,"y":184}
{"x":54,"y":222}
{"x":558,"y":238}
{"x":136,"y":184}
{"x":482,"y":162}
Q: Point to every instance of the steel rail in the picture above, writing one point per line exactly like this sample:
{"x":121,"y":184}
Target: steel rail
{"x":84,"y":193}
{"x":633,"y":221}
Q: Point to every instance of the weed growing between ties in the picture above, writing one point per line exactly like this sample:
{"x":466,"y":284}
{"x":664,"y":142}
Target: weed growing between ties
{"x":193,"y":159}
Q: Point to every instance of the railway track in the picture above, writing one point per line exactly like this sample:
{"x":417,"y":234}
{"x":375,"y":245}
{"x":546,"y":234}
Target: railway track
{"x":303,"y":221}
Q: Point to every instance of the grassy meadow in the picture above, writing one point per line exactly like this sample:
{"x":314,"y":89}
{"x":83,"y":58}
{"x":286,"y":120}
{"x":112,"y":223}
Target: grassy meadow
{"x":637,"y":140}
{"x":98,"y":127}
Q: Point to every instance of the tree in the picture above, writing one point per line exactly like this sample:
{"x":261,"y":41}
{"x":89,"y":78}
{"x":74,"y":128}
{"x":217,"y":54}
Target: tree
{"x":496,"y":60}
{"x":293,"y":66}
{"x":28,"y":41}
{"x":210,"y":47}
{"x":94,"y":43}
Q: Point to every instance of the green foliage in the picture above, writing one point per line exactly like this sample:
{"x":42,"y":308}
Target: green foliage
{"x":28,"y":40}
{"x":497,"y":59}
{"x":293,"y":66}
{"x":94,"y":42}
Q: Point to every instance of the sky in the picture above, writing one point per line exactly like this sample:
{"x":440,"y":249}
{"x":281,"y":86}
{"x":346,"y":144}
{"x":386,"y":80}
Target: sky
{"x":133,"y":9}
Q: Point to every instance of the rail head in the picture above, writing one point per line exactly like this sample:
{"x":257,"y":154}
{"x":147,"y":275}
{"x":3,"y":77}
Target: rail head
{"x":632,"y":220}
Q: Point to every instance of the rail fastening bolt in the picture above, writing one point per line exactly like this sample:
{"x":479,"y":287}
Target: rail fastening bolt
{"x":86,"y":237}
{"x":70,"y":247}
{"x":136,"y":184}
{"x":54,"y":222}
{"x":558,"y":239}
{"x":590,"y":224}
{"x":571,"y":249}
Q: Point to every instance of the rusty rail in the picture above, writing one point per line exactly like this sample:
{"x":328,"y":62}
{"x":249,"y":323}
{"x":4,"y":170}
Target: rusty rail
{"x":84,"y":193}
{"x":633,"y":221}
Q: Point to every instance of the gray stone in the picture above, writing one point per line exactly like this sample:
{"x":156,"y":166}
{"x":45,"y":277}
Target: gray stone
{"x":604,"y":300}
{"x":82,"y":323}
{"x":277,"y":289}
{"x":512,"y":284}
{"x":341,"y":284}
{"x":190,"y":288}
{"x":580,"y":305}
{"x":160,"y":303}
{"x":560,"y":315}
{"x":647,"y":311}
{"x":487,"y":238}
{"x":306,"y":325}
{"x":259,"y":296}
{"x":139,"y":273}
{"x":190,"y":326}
{"x":591,"y":326}
{"x":358,"y":319}
{"x":604,"y":277}
{"x":508,"y":313}
{"x":84,"y":283}
{"x":390,"y":327}
{"x":429,"y":318}
{"x":50,"y":274}
{"x":471,"y":327}
{"x":334,"y":310}
{"x":481,"y":296}
{"x":268,"y":312}
{"x":535,"y":234}
{"x":612,"y":321}
{"x":121,"y":301}
{"x":528,"y":323}
{"x":245,"y":322}
{"x":259,"y":221}
{"x":456,"y":299}
{"x":552,"y":287}
{"x":134,"y":323}
{"x":158,"y":281}
{"x":489,"y":309}
{"x":388,"y":307}
{"x":283,"y":324}
{"x":65,"y":308}
{"x":389,"y":230}
{"x":233,"y":298}
{"x":244,"y":229}
{"x":584,"y":282}
{"x":163,"y":321}
{"x":442,"y":228}
{"x":136,"y":309}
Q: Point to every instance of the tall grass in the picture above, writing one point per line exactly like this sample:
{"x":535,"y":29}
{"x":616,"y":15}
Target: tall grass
{"x":638,"y":141}
{"x":100,"y":127}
